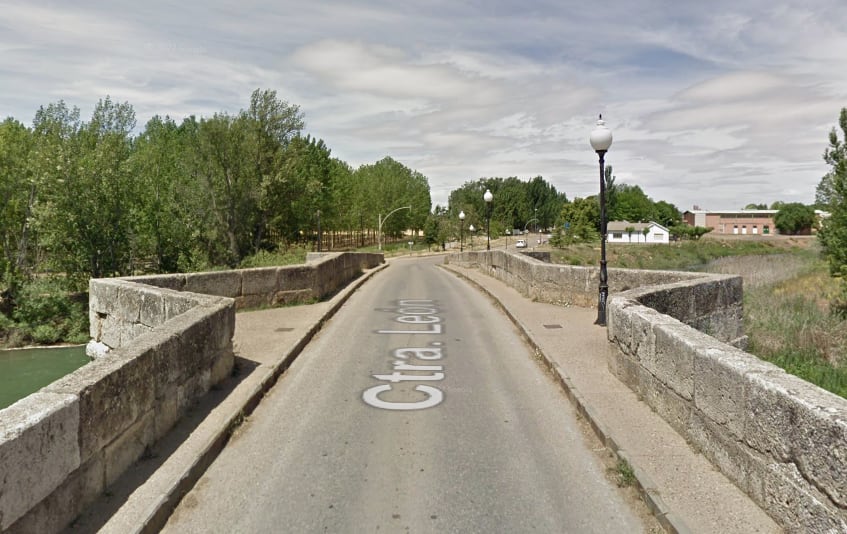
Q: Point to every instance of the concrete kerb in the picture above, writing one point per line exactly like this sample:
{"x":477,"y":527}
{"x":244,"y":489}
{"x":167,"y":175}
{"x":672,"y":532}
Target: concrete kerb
{"x":180,"y":485}
{"x":645,"y":486}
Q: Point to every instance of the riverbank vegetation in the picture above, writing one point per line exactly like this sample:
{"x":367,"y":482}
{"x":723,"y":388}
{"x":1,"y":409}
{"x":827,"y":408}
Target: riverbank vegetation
{"x":788,"y":295}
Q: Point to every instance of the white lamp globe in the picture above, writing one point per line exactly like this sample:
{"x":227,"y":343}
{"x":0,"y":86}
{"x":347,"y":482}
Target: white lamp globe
{"x":601,"y":137}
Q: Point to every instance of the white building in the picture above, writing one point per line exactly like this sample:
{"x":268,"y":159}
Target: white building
{"x":628,"y":232}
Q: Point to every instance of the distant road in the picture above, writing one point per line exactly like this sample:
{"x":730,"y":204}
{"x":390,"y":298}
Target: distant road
{"x":418,"y":408}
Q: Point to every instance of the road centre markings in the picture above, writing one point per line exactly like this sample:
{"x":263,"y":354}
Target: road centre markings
{"x":412,"y":312}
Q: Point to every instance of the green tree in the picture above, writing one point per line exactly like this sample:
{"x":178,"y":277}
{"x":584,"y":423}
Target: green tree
{"x":272,"y":124}
{"x":169,"y":204}
{"x":18,"y":190}
{"x":794,"y":218}
{"x":612,"y":207}
{"x":225,"y":171}
{"x":832,"y":193}
{"x":86,"y":219}
{"x":304,"y":182}
{"x":754,"y":206}
{"x":684,"y":231}
{"x":545,"y":200}
{"x":580,"y":221}
{"x":387,"y":185}
{"x":629,"y":231}
{"x":632,"y":204}
{"x":666,"y":214}
{"x":515,"y":204}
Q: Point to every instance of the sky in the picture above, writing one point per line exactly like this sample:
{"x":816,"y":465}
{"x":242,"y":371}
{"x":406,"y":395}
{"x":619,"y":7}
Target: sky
{"x":716,"y":104}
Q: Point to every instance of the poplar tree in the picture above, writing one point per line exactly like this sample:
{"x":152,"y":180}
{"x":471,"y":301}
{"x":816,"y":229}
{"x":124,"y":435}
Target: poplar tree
{"x":832,"y":196}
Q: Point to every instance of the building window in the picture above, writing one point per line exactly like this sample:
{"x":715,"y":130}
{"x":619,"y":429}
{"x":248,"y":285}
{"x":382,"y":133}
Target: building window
{"x":743,"y":228}
{"x":617,"y":235}
{"x":755,"y":229}
{"x":766,"y":229}
{"x":658,"y":237}
{"x":734,"y":228}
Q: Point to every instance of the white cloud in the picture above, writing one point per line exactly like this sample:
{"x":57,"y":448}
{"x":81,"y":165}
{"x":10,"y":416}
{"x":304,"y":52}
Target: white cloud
{"x":719,"y":104}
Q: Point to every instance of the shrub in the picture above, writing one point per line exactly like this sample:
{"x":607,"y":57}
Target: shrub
{"x":45,"y":334}
{"x":47,"y":313}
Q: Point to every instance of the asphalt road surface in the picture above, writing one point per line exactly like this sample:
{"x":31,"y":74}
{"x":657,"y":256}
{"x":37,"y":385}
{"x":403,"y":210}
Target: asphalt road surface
{"x":418,"y":408}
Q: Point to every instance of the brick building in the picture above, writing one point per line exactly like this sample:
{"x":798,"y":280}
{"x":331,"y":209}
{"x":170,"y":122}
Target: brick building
{"x":734,"y":222}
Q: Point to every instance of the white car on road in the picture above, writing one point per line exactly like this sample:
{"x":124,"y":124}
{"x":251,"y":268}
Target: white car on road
{"x":521,"y":243}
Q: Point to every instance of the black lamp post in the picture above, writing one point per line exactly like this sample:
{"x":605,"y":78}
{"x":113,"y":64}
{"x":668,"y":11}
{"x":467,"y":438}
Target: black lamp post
{"x":488,"y":197}
{"x":601,"y":140}
{"x":461,"y":231}
{"x":319,"y":230}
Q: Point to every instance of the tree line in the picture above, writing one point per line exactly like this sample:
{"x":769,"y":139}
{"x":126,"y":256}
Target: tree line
{"x":92,"y":198}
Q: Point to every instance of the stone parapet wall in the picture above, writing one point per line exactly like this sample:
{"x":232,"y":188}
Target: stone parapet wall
{"x":323,"y":274}
{"x":164,"y":342}
{"x":718,"y":307}
{"x":63,"y":445}
{"x":780,"y":439}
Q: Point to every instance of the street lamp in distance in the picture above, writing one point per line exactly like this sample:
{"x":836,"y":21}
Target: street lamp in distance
{"x":472,"y":229}
{"x":461,"y":231}
{"x":601,"y":140}
{"x":488,"y":197}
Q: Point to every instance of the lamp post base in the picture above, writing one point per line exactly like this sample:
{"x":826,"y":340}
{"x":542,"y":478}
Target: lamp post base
{"x":601,"y":306}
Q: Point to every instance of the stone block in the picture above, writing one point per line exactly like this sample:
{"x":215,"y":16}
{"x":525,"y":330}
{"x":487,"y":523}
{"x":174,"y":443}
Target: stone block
{"x":724,"y":324}
{"x":771,"y":413}
{"x":250,"y":302}
{"x":643,"y":343}
{"x":221,"y":284}
{"x":130,"y":300}
{"x":58,"y":510}
{"x":129,"y":446}
{"x":717,"y":443}
{"x":706,"y":296}
{"x":262,"y":281}
{"x":719,"y":385}
{"x":672,"y":362}
{"x":183,"y":353}
{"x":731,"y":292}
{"x":107,"y":331}
{"x":223,"y":321}
{"x":166,"y":410}
{"x":175,"y":282}
{"x":798,"y":507}
{"x":152,"y":307}
{"x":625,"y":369}
{"x":113,"y":393}
{"x":619,"y":323}
{"x":39,"y":448}
{"x":819,"y":441}
{"x":192,"y":389}
{"x":298,"y":296}
{"x":222,"y":365}
{"x":103,"y":295}
{"x":134,"y":331}
{"x":176,"y":304}
{"x":164,"y":345}
{"x":665,"y":401}
{"x":102,"y":303}
{"x":296,"y":277}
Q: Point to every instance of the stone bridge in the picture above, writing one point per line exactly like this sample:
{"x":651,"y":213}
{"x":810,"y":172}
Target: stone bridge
{"x":677,"y":340}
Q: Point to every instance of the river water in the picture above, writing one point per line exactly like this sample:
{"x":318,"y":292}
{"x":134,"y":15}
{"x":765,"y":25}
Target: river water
{"x":25,"y":371}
